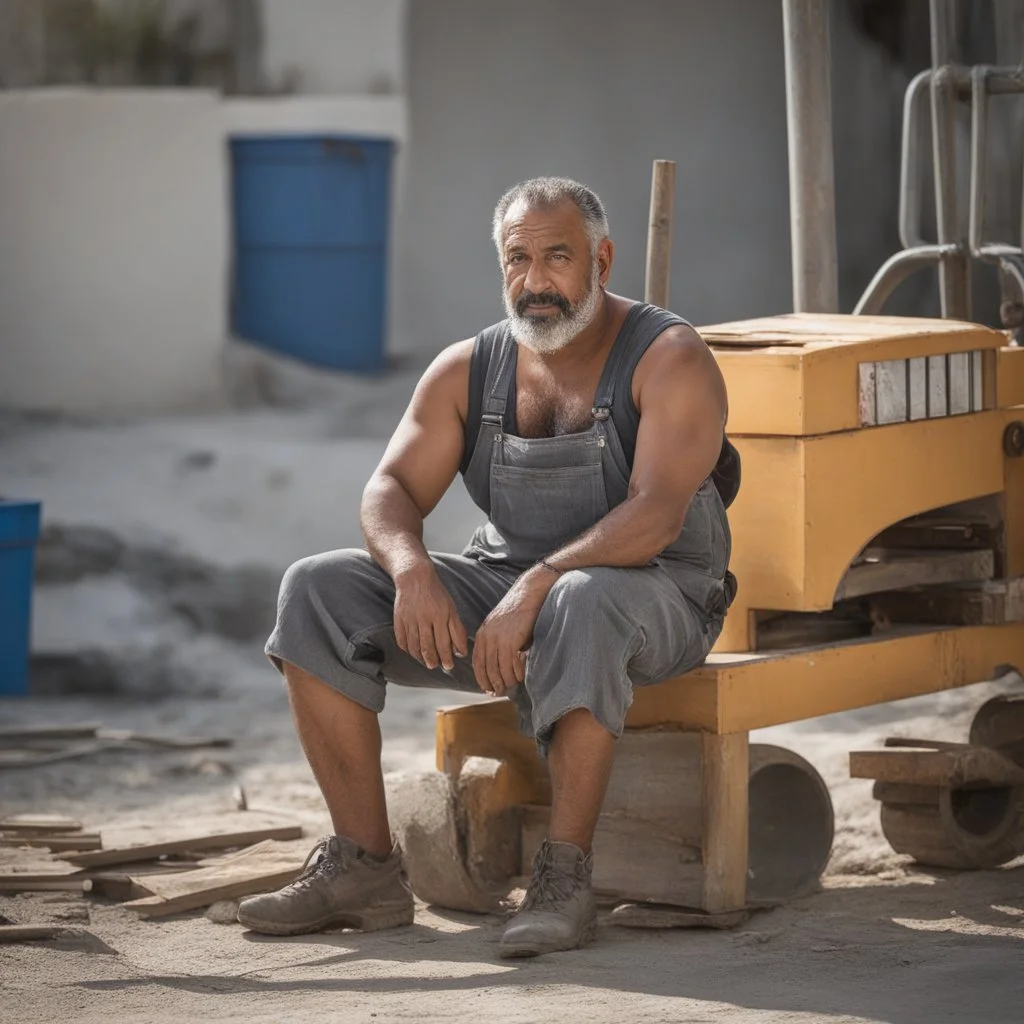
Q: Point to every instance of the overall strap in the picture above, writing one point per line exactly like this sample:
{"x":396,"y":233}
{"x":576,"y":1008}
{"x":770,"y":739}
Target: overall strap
{"x":483,"y":370}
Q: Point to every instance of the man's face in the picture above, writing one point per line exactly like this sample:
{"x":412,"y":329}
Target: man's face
{"x":552,"y":281}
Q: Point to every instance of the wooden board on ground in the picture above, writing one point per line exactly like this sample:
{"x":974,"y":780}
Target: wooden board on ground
{"x":73,"y":841}
{"x":22,"y":869}
{"x":263,"y":867}
{"x":127,"y":844}
{"x":39,"y":824}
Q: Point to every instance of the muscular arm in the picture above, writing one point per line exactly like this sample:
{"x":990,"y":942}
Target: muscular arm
{"x":681,"y":397}
{"x":418,"y":466}
{"x":682,"y":403}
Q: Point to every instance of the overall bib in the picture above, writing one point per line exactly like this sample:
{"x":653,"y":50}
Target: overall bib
{"x":601,"y":630}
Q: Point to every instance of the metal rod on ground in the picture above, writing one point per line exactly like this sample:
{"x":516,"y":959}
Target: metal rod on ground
{"x":659,"y":233}
{"x":812,"y":205}
{"x":954,"y":271}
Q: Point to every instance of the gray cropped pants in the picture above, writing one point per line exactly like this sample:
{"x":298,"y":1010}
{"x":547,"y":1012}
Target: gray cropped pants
{"x":600,"y":632}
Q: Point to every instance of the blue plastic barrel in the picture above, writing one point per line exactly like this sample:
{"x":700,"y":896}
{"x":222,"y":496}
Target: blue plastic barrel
{"x":311,"y":229}
{"x":19,"y":531}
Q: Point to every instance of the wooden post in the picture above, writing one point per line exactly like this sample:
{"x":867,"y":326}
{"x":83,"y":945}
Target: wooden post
{"x":724,"y":783}
{"x":659,"y":233}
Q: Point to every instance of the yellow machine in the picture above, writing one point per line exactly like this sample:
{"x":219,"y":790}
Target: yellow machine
{"x":882,"y":466}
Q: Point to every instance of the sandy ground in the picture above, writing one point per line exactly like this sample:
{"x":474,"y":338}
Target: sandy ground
{"x":218,"y":497}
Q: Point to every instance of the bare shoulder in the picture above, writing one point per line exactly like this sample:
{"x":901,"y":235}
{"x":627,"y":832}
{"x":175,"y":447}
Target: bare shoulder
{"x":446,"y":379}
{"x":678,"y":360}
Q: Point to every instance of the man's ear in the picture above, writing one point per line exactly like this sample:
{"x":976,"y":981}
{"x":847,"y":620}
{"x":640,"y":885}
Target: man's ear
{"x":605,"y":258}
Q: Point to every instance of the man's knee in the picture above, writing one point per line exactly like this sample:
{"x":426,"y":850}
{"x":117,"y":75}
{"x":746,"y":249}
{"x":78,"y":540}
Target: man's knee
{"x":308,"y":578}
{"x":581,"y":599}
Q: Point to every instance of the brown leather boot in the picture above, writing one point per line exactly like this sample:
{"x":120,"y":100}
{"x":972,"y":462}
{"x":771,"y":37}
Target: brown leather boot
{"x":559,"y":911}
{"x":340,"y":887}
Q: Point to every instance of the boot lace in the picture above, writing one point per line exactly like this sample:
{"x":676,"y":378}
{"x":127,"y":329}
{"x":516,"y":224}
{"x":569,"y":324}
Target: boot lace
{"x":551,"y":886}
{"x":319,"y":863}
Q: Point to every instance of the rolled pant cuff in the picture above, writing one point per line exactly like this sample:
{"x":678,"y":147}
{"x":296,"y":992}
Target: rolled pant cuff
{"x":367,"y":693}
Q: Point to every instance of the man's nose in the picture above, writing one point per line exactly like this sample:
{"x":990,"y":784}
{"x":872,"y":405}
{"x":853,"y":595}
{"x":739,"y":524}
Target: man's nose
{"x":537,"y":279}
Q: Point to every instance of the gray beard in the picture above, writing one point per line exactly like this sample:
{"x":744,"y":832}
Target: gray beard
{"x":545,"y":335}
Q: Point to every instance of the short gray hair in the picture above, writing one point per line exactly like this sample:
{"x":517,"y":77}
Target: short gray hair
{"x":548,"y":192}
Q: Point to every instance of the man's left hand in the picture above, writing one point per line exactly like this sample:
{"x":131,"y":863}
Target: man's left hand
{"x":499,"y":648}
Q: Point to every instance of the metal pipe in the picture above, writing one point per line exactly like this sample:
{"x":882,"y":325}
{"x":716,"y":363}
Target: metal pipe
{"x":895,"y":270}
{"x":811,"y":169}
{"x":979,"y":146}
{"x":910,"y":160}
{"x":954,"y":286}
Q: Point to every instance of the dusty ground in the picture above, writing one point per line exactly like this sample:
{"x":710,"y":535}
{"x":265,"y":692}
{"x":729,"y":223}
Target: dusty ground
{"x":153,"y":597}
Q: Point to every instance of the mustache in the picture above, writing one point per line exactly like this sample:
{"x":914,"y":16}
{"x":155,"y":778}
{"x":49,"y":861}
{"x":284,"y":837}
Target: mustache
{"x":528,"y":299}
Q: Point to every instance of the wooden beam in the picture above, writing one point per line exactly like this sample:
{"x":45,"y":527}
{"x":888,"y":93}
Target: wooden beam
{"x":725,"y":791}
{"x":741,"y":692}
{"x":896,"y":570}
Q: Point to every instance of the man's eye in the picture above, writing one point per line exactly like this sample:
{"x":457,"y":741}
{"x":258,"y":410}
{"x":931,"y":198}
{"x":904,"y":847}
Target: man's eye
{"x":561,"y":257}
{"x":516,"y":257}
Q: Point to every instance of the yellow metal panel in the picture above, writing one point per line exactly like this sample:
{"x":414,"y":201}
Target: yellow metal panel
{"x":765,"y":392}
{"x":767,"y":522}
{"x":797,"y":375}
{"x":734,"y":693}
{"x":857,"y":484}
{"x":1010,"y":376}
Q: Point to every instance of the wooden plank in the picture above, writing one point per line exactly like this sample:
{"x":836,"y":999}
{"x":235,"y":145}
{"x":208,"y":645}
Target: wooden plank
{"x":896,"y":570}
{"x":54,"y":843}
{"x":264,"y":867}
{"x":656,"y":779}
{"x":18,"y":865}
{"x":133,"y":843}
{"x":954,"y":769}
{"x":39,"y":824}
{"x":725,"y":791}
{"x":631,"y":860}
{"x":991,"y":602}
{"x":739,"y":692}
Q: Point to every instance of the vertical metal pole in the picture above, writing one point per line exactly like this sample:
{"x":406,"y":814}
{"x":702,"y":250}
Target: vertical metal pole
{"x":812,"y":200}
{"x":954,"y":270}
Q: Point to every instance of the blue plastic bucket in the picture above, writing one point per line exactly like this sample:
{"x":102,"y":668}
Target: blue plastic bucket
{"x":19,"y":532}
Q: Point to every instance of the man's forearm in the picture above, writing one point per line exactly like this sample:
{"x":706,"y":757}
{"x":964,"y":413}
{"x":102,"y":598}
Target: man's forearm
{"x":630,"y":535}
{"x":393,"y":528}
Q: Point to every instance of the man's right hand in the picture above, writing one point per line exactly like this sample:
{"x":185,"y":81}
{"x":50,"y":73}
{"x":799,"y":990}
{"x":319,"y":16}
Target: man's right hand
{"x":427,"y":625}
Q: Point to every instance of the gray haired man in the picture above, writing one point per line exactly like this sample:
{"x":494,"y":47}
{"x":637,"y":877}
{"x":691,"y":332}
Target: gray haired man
{"x":588,"y":428}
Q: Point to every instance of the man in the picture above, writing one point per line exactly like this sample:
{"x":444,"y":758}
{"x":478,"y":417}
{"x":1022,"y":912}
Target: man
{"x":589,"y":429}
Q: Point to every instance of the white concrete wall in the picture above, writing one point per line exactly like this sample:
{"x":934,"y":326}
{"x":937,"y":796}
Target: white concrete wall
{"x":113,"y":250}
{"x":335,"y":46}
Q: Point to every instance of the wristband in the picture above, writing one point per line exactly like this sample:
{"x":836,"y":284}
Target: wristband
{"x":550,"y":568}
